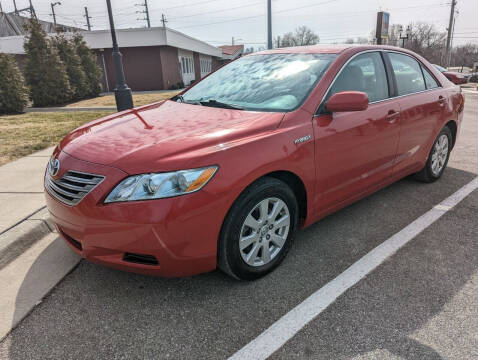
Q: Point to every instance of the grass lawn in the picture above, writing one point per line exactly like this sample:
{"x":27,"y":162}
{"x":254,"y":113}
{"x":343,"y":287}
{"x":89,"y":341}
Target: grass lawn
{"x":21,"y":135}
{"x":109,"y":100}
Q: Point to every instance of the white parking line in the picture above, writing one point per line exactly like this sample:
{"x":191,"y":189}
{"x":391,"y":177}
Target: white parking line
{"x":288,"y":325}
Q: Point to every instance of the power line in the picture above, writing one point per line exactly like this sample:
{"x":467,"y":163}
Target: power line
{"x":257,"y":16}
{"x":215,"y":11}
{"x":303,"y":7}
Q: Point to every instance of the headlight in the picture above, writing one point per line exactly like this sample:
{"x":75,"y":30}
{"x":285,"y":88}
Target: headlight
{"x":161,"y":185}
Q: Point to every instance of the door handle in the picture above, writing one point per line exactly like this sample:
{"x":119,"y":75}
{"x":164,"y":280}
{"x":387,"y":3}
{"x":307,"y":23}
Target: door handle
{"x":392,"y":116}
{"x":441,"y":101}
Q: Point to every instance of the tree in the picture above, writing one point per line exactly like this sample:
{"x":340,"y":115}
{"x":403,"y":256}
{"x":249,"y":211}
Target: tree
{"x":300,"y":37}
{"x":464,"y":55}
{"x":13,"y":92}
{"x":44,"y":72}
{"x":361,"y":40}
{"x":67,"y":51}
{"x":425,"y":40}
{"x":90,"y":66}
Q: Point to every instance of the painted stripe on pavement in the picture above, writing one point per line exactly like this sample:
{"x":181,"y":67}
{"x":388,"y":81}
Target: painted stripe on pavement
{"x":291,"y":323}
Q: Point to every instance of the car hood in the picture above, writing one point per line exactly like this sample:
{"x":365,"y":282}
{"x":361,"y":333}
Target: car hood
{"x":143,"y":139}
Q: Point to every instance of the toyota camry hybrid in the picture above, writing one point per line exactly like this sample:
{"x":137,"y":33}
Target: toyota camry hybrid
{"x":221,"y":175}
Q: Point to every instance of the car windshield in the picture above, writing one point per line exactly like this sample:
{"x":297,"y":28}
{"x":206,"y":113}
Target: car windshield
{"x":273,"y":82}
{"x":440,"y":69}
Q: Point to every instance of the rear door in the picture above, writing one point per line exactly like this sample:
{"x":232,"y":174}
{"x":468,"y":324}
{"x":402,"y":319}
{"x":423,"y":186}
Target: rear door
{"x":422,"y":104}
{"x":356,"y":150}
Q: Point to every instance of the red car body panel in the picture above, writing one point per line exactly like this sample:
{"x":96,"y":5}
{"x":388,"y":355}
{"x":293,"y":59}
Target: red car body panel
{"x":349,"y":155}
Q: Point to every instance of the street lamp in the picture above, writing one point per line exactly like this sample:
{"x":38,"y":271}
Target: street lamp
{"x":123,"y":95}
{"x":403,"y":38}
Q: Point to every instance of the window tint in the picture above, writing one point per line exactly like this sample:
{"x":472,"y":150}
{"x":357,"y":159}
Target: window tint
{"x":408,"y":74}
{"x":364,"y":73}
{"x":430,"y":81}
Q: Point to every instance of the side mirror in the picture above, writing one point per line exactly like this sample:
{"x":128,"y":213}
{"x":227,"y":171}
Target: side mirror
{"x":347,"y":101}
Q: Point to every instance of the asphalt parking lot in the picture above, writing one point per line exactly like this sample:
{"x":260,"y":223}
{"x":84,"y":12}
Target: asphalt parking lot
{"x":421,"y":303}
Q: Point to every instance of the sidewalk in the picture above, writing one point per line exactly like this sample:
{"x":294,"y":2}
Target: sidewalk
{"x":70,"y":109}
{"x":32,"y":257}
{"x":21,"y":184}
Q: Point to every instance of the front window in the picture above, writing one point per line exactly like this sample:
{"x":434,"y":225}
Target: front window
{"x":274,"y":82}
{"x":365,"y":73}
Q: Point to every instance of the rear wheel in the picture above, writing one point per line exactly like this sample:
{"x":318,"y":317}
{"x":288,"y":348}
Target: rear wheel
{"x":257,"y":232}
{"x":438,"y":157}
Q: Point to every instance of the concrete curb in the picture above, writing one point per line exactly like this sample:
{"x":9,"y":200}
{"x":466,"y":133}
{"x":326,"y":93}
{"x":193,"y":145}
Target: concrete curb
{"x":15,"y":241}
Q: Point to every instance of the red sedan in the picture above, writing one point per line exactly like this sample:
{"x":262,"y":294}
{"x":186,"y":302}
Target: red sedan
{"x":223,"y":174}
{"x":455,"y":77}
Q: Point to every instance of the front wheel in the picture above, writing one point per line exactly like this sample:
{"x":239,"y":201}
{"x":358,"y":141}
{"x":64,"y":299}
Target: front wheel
{"x":257,"y":232}
{"x":438,"y":157}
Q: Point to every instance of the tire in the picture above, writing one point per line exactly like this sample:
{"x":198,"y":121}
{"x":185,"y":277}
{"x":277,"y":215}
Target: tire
{"x":249,"y":260}
{"x":430,"y":172}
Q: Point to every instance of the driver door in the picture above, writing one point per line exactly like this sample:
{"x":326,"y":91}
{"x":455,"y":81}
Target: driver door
{"x":356,"y":150}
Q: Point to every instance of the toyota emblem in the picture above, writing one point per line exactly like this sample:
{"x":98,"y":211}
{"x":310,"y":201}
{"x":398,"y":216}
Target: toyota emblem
{"x":53,"y":167}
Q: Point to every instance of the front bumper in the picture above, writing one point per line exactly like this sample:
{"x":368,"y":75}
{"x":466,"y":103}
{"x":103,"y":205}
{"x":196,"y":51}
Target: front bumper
{"x":180,"y":233}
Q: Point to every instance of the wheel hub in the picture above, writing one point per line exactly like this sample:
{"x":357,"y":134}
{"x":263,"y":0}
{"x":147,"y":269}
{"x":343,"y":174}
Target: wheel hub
{"x":264,"y":231}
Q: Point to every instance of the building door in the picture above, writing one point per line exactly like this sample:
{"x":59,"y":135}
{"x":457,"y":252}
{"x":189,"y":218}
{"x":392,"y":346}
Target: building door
{"x":186,"y":66}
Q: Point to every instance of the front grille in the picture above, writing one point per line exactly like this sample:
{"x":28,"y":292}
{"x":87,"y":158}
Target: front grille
{"x":72,"y":187}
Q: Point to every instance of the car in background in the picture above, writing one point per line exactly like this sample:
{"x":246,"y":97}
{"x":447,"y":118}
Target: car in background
{"x":221,"y":175}
{"x":455,"y":77}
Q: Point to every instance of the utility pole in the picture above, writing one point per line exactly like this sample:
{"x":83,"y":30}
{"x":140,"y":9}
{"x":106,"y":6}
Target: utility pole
{"x":163,"y":20}
{"x":232,"y":42}
{"x":269,"y":24}
{"x":451,"y":42}
{"x":53,"y":11}
{"x":87,"y":19}
{"x":1,"y":10}
{"x":32,"y":10}
{"x":278,"y":41}
{"x":450,"y":31}
{"x":123,"y":95}
{"x":145,"y":11}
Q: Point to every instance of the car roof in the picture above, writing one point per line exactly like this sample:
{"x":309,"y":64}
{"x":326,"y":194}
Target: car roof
{"x":328,"y":49}
{"x":311,"y":49}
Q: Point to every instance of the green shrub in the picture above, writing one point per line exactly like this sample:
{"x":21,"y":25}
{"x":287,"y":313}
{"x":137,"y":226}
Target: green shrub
{"x":45,"y":73}
{"x":13,"y":93}
{"x":90,"y":65}
{"x":68,"y":55}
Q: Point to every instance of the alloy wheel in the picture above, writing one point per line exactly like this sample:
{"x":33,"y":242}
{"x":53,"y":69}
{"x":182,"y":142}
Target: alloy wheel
{"x":439,"y":155}
{"x":264,"y":232}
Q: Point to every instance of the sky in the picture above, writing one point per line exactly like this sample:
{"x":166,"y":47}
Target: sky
{"x":218,"y":21}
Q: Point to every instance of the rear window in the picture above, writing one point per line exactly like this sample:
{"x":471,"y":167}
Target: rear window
{"x":430,"y":81}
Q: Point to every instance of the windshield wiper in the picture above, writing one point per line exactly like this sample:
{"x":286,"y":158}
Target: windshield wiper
{"x":218,"y":104}
{"x":182,"y":100}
